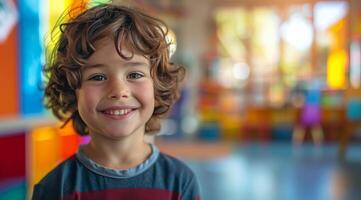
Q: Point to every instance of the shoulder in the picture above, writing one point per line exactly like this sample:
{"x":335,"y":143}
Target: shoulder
{"x":52,"y":183}
{"x":178,"y":174}
{"x":175,"y":171}
{"x":175,"y":165}
{"x":66,"y":168}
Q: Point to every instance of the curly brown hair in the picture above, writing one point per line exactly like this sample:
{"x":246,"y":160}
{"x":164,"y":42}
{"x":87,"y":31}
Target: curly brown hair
{"x":129,"y":28}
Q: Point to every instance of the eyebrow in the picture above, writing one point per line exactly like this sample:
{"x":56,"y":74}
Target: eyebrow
{"x":135,"y":63}
{"x":125,"y":64}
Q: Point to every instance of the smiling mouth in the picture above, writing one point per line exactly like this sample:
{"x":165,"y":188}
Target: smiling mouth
{"x":118,"y":112}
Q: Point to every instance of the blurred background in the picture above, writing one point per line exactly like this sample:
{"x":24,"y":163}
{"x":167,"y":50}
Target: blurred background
{"x":270,"y":108}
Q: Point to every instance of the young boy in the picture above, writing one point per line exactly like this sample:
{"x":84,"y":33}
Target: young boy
{"x":111,"y":75}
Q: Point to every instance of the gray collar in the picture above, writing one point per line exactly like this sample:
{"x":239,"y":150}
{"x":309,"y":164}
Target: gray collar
{"x":113,"y":173}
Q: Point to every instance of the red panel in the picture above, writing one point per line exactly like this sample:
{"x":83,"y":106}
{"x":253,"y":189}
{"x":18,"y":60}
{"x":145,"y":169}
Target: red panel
{"x":69,"y":141}
{"x":69,"y":145}
{"x":12,"y":156}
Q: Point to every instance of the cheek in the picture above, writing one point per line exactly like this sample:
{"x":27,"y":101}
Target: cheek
{"x":146,"y":93}
{"x":87,"y":98}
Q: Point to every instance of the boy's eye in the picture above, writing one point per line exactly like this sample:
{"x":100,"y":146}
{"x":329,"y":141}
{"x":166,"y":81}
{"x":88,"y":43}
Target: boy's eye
{"x":135,"y":75}
{"x":98,"y":78}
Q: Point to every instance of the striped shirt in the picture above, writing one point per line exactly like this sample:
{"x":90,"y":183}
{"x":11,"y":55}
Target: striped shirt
{"x":160,"y":177}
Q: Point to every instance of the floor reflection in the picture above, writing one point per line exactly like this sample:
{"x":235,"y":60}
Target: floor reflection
{"x":280,"y":171}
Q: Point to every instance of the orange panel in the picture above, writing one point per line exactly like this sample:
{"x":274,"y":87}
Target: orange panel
{"x":9,"y":71}
{"x":78,"y":7}
{"x":45,"y":155}
{"x":69,"y":141}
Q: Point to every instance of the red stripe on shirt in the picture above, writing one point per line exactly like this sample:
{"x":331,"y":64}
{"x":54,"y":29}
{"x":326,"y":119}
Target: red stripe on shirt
{"x":126,"y":193}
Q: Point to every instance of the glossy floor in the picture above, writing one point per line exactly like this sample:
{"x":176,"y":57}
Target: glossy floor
{"x":280,"y":171}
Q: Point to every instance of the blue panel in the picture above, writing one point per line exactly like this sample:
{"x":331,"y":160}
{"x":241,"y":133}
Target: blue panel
{"x":30,"y":51}
{"x":209,"y":131}
{"x":13,"y":189}
{"x":354,"y":109}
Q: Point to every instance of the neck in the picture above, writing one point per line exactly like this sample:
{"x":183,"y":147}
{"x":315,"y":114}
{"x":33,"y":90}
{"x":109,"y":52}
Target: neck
{"x":118,"y":154}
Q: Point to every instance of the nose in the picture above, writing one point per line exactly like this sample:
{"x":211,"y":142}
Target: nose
{"x":118,"y":89}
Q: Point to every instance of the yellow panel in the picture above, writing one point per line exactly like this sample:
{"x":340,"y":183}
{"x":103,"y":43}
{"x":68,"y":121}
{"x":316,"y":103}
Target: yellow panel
{"x":61,"y":7}
{"x":56,"y":9}
{"x":58,"y":13}
{"x":336,"y":69}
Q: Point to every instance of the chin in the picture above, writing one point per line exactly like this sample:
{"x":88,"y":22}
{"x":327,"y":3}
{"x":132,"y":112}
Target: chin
{"x":120,"y":133}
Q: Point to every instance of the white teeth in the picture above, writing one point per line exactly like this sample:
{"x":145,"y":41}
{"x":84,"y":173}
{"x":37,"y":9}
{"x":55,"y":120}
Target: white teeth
{"x":118,"y":112}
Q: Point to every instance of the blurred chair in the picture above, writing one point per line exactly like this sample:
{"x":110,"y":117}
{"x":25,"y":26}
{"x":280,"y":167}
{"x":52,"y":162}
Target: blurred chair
{"x":209,"y":131}
{"x":282,"y":122}
{"x":352,"y":102}
{"x":230,"y":125}
{"x":333,"y":114}
{"x":256,"y":124}
{"x":209,"y":127}
{"x":332,"y":121}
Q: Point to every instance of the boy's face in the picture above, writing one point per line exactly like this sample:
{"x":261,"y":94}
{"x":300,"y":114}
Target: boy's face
{"x":116,"y":98}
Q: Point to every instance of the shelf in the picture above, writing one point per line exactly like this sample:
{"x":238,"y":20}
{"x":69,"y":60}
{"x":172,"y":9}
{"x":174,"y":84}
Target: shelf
{"x":10,"y":125}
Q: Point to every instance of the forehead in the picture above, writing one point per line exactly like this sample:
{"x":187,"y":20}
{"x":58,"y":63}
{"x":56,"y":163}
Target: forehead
{"x":106,"y":52}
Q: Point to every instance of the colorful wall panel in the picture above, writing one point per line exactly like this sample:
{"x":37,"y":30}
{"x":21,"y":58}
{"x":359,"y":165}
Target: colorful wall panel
{"x":30,"y":54}
{"x":68,"y":140}
{"x":57,"y":12}
{"x":12,"y":167}
{"x":8,"y":61}
{"x":44,"y":148}
{"x":48,"y":147}
{"x":13,"y":190}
